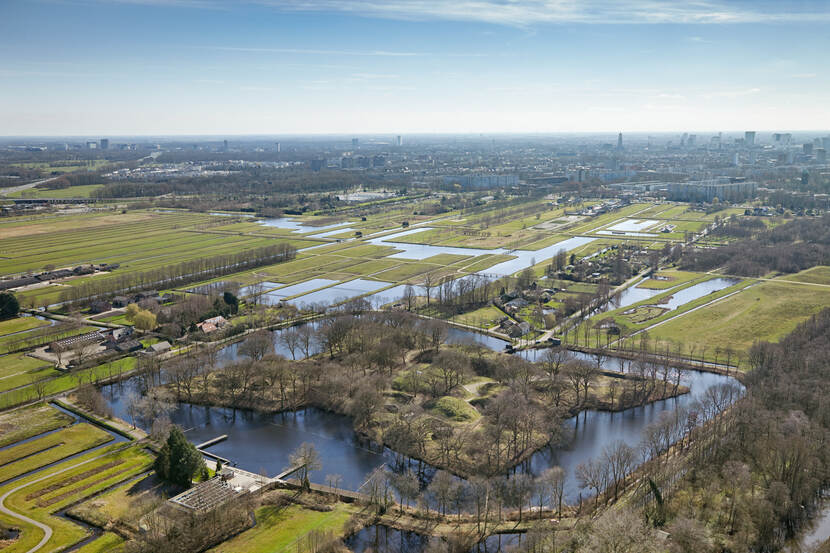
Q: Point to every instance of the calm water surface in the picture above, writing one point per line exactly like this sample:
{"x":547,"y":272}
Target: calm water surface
{"x":260,"y":441}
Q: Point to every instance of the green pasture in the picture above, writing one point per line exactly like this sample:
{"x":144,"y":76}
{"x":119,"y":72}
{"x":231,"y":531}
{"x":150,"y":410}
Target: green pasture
{"x":766,"y":311}
{"x":26,"y":422}
{"x":279,"y":528}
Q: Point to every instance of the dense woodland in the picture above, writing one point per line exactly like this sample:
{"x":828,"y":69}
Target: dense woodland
{"x":754,"y":475}
{"x":249,"y":182}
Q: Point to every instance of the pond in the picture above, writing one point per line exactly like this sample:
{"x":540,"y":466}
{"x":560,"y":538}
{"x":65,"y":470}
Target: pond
{"x":636,"y":294}
{"x":260,"y":441}
{"x":696,"y":291}
{"x":383,"y":539}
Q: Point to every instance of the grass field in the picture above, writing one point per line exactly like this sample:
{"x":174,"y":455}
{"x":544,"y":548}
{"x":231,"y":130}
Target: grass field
{"x":67,"y":166}
{"x":67,"y":483}
{"x":126,"y":503}
{"x":669,"y":278}
{"x":279,"y":529}
{"x":22,"y":458}
{"x":484,"y":317}
{"x":766,"y":311}
{"x":815,"y":275}
{"x":24,"y":423}
{"x":66,"y":382}
{"x":20,"y":324}
{"x":16,"y":364}
{"x":455,"y":409}
{"x":137,"y":240}
{"x":106,"y":543}
{"x":83,"y":191}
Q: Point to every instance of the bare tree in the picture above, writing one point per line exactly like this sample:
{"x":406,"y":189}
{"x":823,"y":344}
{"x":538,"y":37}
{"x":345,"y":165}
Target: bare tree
{"x":307,"y":458}
{"x":290,"y":338}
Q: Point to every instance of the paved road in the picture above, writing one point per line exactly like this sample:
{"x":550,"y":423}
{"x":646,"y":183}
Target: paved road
{"x":12,"y":189}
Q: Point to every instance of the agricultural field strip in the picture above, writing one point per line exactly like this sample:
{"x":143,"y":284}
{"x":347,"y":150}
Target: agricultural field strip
{"x":127,"y":250}
{"x":29,"y":422}
{"x":75,"y":532}
{"x":18,"y":460}
{"x":94,"y":235}
{"x":65,"y":382}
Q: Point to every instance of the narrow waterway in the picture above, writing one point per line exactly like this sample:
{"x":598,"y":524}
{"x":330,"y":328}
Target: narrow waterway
{"x":383,"y":539}
{"x":262,"y":442}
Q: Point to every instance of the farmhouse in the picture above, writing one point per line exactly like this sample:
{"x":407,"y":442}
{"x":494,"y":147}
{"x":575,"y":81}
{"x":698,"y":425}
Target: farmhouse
{"x":99,"y":306}
{"x":210,"y":325}
{"x":160,"y":347}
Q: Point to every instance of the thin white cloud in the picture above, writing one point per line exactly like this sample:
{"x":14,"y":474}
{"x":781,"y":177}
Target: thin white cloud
{"x":804,"y":76}
{"x":732,"y":93}
{"x":523,"y":13}
{"x":383,"y":53}
{"x":669,"y":96}
{"x":528,"y":12}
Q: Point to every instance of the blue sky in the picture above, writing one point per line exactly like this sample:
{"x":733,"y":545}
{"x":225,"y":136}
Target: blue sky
{"x":88,"y":67}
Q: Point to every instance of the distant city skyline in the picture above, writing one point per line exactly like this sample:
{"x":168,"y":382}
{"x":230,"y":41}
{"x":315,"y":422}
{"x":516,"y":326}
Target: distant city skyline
{"x":268,"y":67}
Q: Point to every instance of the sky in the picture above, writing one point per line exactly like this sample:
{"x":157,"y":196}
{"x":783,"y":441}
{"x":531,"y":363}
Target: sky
{"x":166,"y":67}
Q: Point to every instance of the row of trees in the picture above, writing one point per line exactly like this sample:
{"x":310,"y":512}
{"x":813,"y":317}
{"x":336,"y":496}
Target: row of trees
{"x":178,"y":274}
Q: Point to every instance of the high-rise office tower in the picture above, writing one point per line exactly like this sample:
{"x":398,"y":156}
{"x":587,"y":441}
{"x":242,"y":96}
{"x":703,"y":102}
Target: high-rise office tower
{"x":398,"y":141}
{"x":105,"y":143}
{"x":749,"y":138}
{"x":619,"y":141}
{"x":355,"y":142}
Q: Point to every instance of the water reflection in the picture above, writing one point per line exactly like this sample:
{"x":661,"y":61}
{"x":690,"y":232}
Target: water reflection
{"x":259,"y":441}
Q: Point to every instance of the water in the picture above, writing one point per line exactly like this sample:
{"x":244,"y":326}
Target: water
{"x":818,"y":531}
{"x":266,"y":286}
{"x":219,"y":214}
{"x":338,"y":293}
{"x":630,"y":296}
{"x":698,"y":290}
{"x":523,"y":258}
{"x":456,"y":335}
{"x":263,"y":441}
{"x":393,"y":294}
{"x":594,"y":430}
{"x":299,"y":288}
{"x":294,"y":225}
{"x":635,"y":294}
{"x":332,"y":232}
{"x":633,"y":225}
{"x":383,"y":539}
{"x":624,"y":233}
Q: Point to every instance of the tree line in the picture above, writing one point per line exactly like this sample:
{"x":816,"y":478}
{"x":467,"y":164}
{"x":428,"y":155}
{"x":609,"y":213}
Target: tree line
{"x":169,"y":276}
